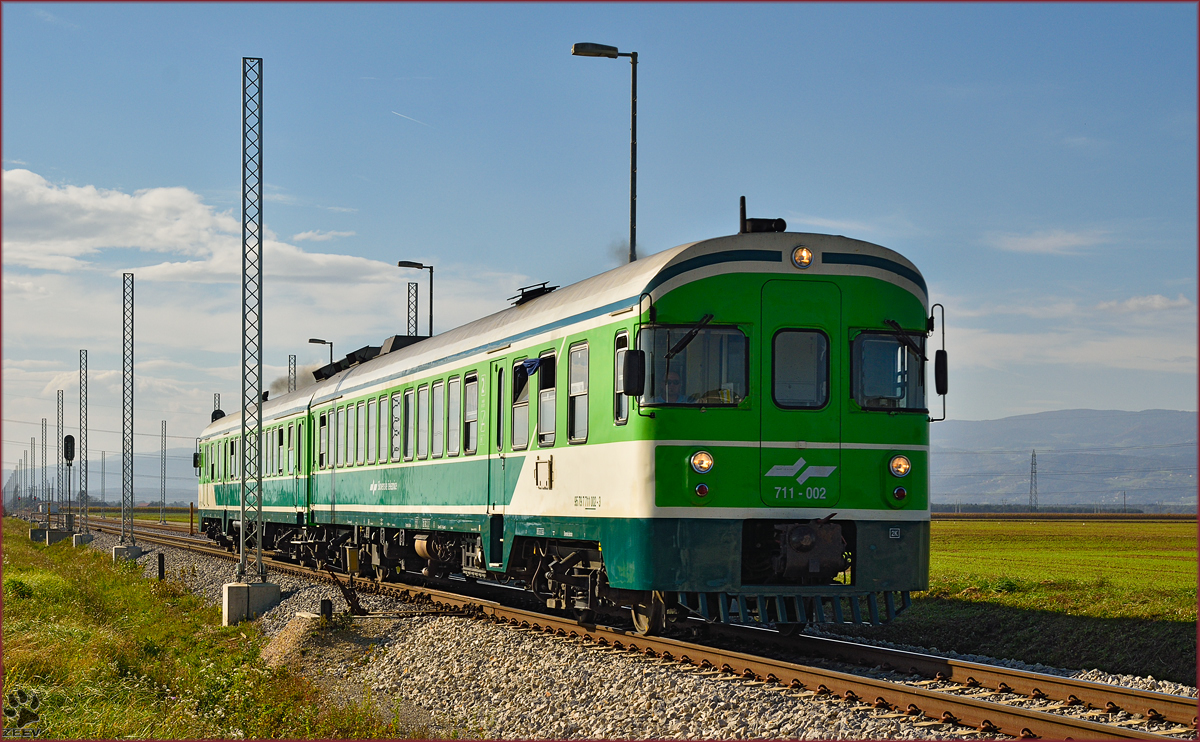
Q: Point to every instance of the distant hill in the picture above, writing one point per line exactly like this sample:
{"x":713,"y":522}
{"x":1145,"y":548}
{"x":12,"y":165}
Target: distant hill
{"x":1084,"y":457}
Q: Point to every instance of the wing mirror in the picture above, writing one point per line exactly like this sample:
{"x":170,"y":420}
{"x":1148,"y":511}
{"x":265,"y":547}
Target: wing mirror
{"x":634,"y":370}
{"x":939,"y":372}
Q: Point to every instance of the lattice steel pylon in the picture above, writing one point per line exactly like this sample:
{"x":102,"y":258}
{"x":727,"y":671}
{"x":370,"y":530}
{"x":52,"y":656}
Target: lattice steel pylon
{"x":291,"y":373}
{"x":127,"y":409}
{"x":252,"y":296}
{"x":58,"y":463}
{"x":412,"y":307}
{"x":45,"y":475}
{"x":216,"y":401}
{"x":1033,"y":500}
{"x":162,"y":477}
{"x":83,"y":451}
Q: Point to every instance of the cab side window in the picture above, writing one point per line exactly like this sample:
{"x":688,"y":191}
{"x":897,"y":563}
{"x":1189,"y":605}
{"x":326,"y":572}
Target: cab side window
{"x":620,"y":401}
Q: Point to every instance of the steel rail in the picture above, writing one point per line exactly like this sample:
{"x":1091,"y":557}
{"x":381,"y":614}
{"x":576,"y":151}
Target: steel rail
{"x":1072,"y":691}
{"x":916,"y":702}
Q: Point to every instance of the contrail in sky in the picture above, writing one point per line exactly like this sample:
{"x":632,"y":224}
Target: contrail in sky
{"x":410,"y":118}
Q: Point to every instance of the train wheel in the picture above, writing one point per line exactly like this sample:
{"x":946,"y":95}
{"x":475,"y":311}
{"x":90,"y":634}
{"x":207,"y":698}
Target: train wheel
{"x":649,"y":620}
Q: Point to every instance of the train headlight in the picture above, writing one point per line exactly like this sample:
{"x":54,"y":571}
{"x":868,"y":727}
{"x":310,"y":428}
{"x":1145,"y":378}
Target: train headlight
{"x":802,"y":257}
{"x":900,"y":466}
{"x":702,"y":461}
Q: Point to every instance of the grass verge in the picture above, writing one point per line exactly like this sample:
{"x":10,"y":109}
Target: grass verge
{"x":1118,"y":596}
{"x":110,"y":655}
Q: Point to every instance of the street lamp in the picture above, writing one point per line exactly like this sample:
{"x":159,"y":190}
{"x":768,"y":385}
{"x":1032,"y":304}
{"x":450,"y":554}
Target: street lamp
{"x":421,"y":267}
{"x":319,"y":341}
{"x":610,"y":52}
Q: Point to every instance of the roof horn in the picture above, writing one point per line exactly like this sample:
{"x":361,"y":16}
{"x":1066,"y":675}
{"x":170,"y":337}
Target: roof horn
{"x":759,"y":225}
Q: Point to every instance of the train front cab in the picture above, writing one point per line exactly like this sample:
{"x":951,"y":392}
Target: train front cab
{"x":791,"y":456}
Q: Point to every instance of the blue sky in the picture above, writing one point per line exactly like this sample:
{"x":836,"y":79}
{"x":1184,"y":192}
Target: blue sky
{"x":1037,"y":162}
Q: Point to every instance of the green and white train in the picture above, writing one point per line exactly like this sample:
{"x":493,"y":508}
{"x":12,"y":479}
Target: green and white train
{"x":734,"y":429}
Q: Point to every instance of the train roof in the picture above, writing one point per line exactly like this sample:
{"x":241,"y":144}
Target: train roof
{"x":608,"y":292}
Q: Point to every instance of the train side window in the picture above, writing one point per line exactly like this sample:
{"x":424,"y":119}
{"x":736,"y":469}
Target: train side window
{"x":212,"y":464}
{"x":520,"y":406}
{"x":800,"y":369}
{"x":620,"y":401}
{"x":438,"y":417}
{"x":397,"y":425}
{"x":361,"y":439}
{"x":372,"y":429}
{"x":471,"y":414}
{"x":323,"y":442}
{"x":291,"y":449}
{"x":577,"y":392}
{"x":409,"y":425}
{"x":453,"y":410}
{"x":299,"y":447}
{"x":547,"y":402}
{"x":423,"y":422}
{"x":499,"y":409}
{"x":339,"y":455}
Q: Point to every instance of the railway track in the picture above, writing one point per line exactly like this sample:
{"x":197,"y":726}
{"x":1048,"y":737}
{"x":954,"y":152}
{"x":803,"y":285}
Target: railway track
{"x":983,"y":697}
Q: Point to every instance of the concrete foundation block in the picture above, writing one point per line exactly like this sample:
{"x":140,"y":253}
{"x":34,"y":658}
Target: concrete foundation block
{"x":81,"y":538}
{"x":241,"y":601}
{"x":126,"y":551}
{"x":54,"y":535}
{"x":37,"y":534}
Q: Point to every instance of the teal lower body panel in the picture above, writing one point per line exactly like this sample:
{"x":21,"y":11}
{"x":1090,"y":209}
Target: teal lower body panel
{"x":677,"y":555}
{"x":702,"y":555}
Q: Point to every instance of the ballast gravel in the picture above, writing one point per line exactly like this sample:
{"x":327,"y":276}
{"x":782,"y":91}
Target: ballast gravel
{"x":480,"y":680}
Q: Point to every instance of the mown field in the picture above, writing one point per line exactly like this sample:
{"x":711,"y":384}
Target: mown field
{"x":112,"y":655}
{"x":1119,"y":596}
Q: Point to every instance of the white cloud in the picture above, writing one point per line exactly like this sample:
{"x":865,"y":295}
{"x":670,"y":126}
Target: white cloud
{"x":974,"y":348}
{"x":1152,"y":303}
{"x":52,"y":227}
{"x":1052,"y":242}
{"x":1085,"y":144}
{"x":833,"y":224}
{"x":342,"y":209}
{"x":317,"y":235}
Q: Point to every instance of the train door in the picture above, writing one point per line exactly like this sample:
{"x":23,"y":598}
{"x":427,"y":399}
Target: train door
{"x":494,"y":440}
{"x":801,"y":345}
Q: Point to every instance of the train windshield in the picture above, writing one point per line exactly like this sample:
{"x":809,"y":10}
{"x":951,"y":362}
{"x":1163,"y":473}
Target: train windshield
{"x":887,"y":374}
{"x":708,"y":370}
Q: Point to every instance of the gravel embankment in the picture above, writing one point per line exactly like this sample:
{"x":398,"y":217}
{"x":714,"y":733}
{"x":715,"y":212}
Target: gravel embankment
{"x":481,"y":680}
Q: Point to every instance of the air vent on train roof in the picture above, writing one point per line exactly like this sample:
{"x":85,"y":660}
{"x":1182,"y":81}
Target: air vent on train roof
{"x":529,"y":293}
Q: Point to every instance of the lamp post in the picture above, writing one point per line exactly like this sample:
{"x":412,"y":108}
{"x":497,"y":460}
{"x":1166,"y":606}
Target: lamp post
{"x":319,"y":341}
{"x":421,"y":267}
{"x":610,"y":52}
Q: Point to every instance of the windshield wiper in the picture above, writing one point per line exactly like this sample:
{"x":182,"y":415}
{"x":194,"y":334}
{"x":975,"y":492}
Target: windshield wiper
{"x":689,"y":337}
{"x":906,"y":339}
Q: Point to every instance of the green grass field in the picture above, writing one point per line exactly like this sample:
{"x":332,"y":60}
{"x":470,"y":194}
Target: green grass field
{"x":112,"y":655}
{"x":1120,"y":596}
